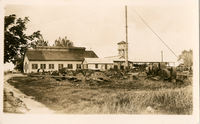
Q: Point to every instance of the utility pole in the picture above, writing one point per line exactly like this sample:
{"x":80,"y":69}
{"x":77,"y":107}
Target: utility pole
{"x":161,"y":56}
{"x":126,"y":63}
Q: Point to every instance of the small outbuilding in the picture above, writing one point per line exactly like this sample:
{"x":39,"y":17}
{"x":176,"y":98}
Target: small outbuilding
{"x":97,"y":63}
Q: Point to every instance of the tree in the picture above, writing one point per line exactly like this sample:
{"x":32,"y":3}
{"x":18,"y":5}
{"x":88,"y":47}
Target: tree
{"x":64,"y":42}
{"x":15,"y":40}
{"x":39,"y":42}
{"x":186,"y":57}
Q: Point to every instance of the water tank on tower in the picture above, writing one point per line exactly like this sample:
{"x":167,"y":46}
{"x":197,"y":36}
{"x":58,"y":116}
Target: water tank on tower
{"x":121,"y":48}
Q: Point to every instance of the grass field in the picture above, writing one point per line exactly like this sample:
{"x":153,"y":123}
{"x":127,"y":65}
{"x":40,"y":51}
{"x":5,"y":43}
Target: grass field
{"x":116,"y":97}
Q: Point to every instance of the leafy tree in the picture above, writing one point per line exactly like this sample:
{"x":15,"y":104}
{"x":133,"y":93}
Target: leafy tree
{"x":64,"y":42}
{"x":186,"y":57}
{"x":39,"y":42}
{"x":15,"y":40}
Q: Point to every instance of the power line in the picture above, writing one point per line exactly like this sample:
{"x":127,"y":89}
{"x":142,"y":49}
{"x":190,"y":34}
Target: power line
{"x":155,"y":33}
{"x":60,"y":18}
{"x":152,"y":13}
{"x":68,"y":23}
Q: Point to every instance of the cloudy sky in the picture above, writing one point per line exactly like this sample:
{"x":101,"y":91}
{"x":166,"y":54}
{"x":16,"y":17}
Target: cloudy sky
{"x":101,"y":25}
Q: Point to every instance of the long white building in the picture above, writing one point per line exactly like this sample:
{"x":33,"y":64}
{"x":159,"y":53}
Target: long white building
{"x":52,"y":58}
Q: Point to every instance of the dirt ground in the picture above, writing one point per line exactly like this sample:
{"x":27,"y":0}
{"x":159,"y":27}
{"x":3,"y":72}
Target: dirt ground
{"x":32,"y":106}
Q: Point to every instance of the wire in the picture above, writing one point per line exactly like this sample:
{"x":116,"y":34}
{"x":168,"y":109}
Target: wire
{"x":163,"y":17}
{"x":68,"y":24}
{"x":60,"y":18}
{"x":155,"y":33}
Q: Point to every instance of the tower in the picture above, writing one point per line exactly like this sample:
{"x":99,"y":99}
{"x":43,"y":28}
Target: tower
{"x":121,"y":48}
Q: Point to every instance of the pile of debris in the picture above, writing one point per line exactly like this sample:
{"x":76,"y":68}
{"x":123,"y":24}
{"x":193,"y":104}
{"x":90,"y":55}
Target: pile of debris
{"x":87,"y":77}
{"x":99,"y":76}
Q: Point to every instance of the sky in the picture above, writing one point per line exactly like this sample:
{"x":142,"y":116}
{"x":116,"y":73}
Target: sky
{"x":99,"y":26}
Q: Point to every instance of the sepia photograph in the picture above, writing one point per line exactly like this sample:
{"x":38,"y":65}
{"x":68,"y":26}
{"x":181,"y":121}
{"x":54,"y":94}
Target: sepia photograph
{"x":109,"y":59}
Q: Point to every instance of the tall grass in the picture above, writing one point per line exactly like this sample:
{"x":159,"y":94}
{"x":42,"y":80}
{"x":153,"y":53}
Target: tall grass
{"x":65,"y":98}
{"x":163,"y":101}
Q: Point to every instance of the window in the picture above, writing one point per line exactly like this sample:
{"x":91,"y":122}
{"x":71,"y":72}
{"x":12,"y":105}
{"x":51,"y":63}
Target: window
{"x":96,"y":65}
{"x":86,"y":66}
{"x":115,"y":67}
{"x":70,"y":66}
{"x":60,"y":66}
{"x":43,"y":66}
{"x":26,"y":66}
{"x":78,"y":66}
{"x":122,"y":67}
{"x":51,"y":66}
{"x":106,"y":66}
{"x":34,"y":66}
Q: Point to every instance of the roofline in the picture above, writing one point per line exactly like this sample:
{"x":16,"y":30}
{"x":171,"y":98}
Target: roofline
{"x":112,"y":56}
{"x":110,"y":61}
{"x":76,"y":47}
{"x":56,"y":60}
{"x":100,"y":63}
{"x":145,"y":61}
{"x":122,"y":42}
{"x":55,"y":47}
{"x":58,"y":50}
{"x":120,"y":61}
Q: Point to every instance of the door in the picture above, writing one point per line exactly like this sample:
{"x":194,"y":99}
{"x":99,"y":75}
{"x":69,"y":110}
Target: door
{"x":26,"y":67}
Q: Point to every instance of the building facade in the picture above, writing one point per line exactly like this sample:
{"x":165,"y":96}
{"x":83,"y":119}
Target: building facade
{"x":115,"y":62}
{"x":52,"y":58}
{"x":97,"y":63}
{"x":119,"y":60}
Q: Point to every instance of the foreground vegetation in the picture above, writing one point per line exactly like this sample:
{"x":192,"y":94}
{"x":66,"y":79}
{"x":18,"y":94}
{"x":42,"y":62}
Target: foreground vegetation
{"x":118,"y":97}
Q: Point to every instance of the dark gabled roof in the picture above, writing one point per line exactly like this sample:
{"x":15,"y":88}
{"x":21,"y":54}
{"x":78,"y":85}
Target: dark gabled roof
{"x":53,"y":55}
{"x":122,"y":42}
